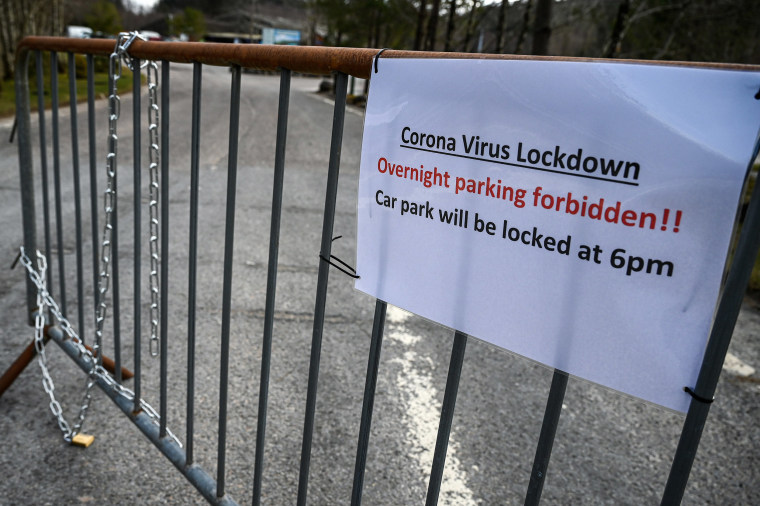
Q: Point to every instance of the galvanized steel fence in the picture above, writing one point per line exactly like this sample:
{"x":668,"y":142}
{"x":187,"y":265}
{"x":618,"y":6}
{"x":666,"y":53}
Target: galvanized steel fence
{"x":105,"y":254}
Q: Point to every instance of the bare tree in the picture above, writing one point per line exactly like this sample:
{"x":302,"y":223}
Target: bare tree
{"x":450,"y":25}
{"x":524,"y":27}
{"x":432,"y":27}
{"x":22,"y":18}
{"x":542,"y":26}
{"x":613,"y":45}
{"x":650,"y":18}
{"x":470,"y":24}
{"x":500,"y":35}
{"x":420,"y":25}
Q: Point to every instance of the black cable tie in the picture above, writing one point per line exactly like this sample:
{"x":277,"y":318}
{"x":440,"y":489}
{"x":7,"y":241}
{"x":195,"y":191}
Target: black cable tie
{"x":697,"y":397}
{"x":377,"y":57}
{"x":344,"y":264}
{"x":757,"y":95}
{"x":351,"y":273}
{"x":15,"y":262}
{"x":15,"y":125}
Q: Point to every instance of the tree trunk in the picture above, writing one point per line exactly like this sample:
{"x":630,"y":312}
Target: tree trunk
{"x":432,"y":28}
{"x":524,"y":27}
{"x":500,"y":26}
{"x":470,"y":25}
{"x":25,"y":17}
{"x":450,"y":25}
{"x":420,"y":25}
{"x":3,"y":43}
{"x":542,"y":27}
{"x":612,"y":48}
{"x":380,"y":21}
{"x":8,"y":41}
{"x":56,"y":6}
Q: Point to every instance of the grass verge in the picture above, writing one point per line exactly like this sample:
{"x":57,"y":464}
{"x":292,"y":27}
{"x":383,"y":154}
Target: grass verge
{"x":100,"y":80}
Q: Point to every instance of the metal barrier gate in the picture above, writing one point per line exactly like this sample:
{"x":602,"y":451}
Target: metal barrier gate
{"x":153,"y":423}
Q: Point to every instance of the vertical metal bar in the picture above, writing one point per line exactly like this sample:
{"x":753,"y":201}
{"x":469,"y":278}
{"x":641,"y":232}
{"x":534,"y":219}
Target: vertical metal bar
{"x":26,"y":169}
{"x":373,"y":365}
{"x":229,"y":237}
{"x":137,"y":228}
{"x":274,"y":244}
{"x":715,"y":353}
{"x":324,"y":271}
{"x":546,"y":438}
{"x":193,"y":256}
{"x":93,"y":176}
{"x":164,"y":283}
{"x":57,"y":180}
{"x":447,"y":416}
{"x":77,"y":192}
{"x":43,"y":158}
{"x":116,"y":300}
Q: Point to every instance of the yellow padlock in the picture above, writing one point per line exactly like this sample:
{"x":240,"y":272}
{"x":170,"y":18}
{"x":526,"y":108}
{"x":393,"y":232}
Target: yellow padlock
{"x":83,"y":440}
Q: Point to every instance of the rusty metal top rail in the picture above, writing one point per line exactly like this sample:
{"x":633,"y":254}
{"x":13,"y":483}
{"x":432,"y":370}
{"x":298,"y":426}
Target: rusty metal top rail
{"x":356,"y":62}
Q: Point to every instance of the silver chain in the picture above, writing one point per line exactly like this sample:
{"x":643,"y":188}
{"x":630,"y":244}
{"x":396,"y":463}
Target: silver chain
{"x":44,"y":299}
{"x":114,"y":110}
{"x":39,"y":345}
{"x":43,"y":296}
{"x":97,"y":372}
{"x":120,"y":54}
{"x":154,"y":151}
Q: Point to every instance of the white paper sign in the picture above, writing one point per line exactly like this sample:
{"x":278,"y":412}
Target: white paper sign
{"x":578,"y":214}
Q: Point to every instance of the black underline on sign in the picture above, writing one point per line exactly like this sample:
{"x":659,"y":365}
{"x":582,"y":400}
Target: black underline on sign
{"x":520,"y":165}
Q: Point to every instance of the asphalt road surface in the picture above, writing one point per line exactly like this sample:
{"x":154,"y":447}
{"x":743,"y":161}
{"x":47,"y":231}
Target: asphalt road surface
{"x":610,"y":449}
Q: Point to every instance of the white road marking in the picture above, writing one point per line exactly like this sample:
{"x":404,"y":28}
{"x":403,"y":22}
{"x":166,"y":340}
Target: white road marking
{"x":422,"y":415}
{"x":734,"y":365}
{"x":353,"y":110}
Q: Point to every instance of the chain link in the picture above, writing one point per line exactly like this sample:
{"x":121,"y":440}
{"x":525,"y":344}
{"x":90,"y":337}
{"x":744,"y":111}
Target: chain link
{"x":154,"y":151}
{"x":97,"y":372}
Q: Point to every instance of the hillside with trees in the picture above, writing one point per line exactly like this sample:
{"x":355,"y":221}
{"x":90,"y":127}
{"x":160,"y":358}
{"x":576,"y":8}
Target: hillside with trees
{"x":690,"y":30}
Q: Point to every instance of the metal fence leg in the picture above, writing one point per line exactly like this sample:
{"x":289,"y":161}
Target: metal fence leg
{"x":164,"y":284}
{"x":77,"y":192}
{"x":274,"y":242}
{"x":43,"y":159}
{"x":229,"y":237}
{"x":57,"y":182}
{"x":324,"y":269}
{"x":18,"y":366}
{"x":447,"y":416}
{"x":93,"y":177}
{"x":546,"y":439}
{"x":26,"y":176}
{"x":193,"y":258}
{"x":115,"y":283}
{"x":137,"y":231}
{"x":369,"y":401}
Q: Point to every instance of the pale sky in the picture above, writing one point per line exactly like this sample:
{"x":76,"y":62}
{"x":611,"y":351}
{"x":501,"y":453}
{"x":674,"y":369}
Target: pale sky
{"x":144,"y":4}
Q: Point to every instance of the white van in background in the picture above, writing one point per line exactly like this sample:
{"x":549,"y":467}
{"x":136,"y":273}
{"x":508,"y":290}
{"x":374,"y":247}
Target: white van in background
{"x":78,"y":32}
